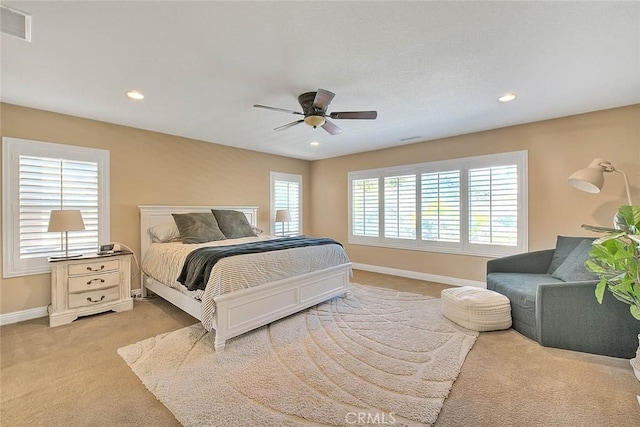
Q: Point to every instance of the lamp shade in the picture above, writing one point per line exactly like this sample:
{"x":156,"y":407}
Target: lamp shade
{"x":282,"y":215}
{"x":591,"y":178}
{"x":66,"y":220}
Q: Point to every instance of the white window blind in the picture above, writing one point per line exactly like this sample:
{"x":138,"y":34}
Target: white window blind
{"x":400,"y":207}
{"x":286,"y":193}
{"x":52,"y":183}
{"x":474,"y":205}
{"x":493,"y":205}
{"x":441,"y":206}
{"x":39,"y":177}
{"x":365,"y":207}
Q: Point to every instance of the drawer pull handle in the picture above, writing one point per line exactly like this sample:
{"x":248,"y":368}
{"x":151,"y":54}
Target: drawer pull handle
{"x":90,"y":300}
{"x":95,"y":280}
{"x":100,"y":269}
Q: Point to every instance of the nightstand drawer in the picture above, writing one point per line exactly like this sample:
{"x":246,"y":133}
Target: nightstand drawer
{"x":94,"y":281}
{"x":93,"y":297}
{"x":94,"y":267}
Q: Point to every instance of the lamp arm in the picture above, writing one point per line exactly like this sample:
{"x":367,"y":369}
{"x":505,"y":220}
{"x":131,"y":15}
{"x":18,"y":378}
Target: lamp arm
{"x":626,"y":184}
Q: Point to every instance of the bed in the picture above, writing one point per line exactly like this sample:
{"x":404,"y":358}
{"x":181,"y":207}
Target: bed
{"x":242,"y":310}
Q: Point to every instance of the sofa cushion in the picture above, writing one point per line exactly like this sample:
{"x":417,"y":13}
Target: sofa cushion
{"x":564,"y":246}
{"x":521,"y":289}
{"x":573,"y":269}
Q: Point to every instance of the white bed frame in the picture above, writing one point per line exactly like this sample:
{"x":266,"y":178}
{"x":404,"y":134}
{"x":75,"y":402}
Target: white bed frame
{"x":247,"y":309}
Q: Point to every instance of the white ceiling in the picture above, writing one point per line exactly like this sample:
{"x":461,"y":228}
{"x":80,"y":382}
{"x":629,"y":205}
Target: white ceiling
{"x":430,"y":69}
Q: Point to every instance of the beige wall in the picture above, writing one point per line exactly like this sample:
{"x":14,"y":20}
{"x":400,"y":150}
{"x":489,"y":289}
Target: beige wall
{"x":148,"y":168}
{"x":153,"y":168}
{"x":556,"y":148}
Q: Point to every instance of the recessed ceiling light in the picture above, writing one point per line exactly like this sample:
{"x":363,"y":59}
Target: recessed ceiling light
{"x":507,"y":97}
{"x":314,"y":143}
{"x":134,"y":94}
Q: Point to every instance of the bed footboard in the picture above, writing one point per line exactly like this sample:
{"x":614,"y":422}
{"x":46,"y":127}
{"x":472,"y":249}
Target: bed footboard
{"x":241,"y":311}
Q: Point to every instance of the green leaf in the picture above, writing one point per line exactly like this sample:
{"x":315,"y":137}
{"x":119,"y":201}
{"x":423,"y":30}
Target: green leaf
{"x":629,"y":218}
{"x":635,"y":311}
{"x":611,"y":236}
{"x":599,"y":229}
{"x":600,"y":287}
{"x":593,"y":266}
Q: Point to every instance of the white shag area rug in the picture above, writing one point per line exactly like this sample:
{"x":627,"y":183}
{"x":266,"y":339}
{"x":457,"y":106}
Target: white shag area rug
{"x":375,"y":356}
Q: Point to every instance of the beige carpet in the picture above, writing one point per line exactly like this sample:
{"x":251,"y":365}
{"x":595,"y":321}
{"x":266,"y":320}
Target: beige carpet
{"x":377,"y":355}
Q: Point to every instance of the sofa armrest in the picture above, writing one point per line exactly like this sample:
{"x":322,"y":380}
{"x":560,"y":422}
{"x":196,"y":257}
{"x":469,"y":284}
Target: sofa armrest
{"x":568,"y":316}
{"x":531,"y":262}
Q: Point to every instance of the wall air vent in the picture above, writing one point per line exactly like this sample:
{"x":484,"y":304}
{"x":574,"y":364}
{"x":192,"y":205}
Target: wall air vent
{"x":15,"y":23}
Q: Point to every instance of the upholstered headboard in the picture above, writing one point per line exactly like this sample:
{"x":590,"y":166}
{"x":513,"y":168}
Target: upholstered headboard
{"x":151,"y":215}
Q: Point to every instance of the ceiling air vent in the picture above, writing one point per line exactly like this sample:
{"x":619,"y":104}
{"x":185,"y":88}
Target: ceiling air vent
{"x":15,"y":23}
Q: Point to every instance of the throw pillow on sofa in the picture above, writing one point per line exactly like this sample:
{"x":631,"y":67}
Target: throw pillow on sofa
{"x":572,"y":268}
{"x":564,"y":246}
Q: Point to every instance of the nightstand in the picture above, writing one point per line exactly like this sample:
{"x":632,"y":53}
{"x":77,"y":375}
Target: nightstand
{"x":88,"y":285}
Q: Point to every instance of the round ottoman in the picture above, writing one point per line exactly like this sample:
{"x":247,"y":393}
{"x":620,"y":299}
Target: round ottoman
{"x":477,"y":309}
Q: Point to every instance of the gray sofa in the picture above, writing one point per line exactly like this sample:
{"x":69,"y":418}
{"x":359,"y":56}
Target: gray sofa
{"x":553,"y":301}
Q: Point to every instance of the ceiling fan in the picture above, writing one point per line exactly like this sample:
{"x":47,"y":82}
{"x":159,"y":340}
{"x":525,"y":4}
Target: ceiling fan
{"x":314,"y":106}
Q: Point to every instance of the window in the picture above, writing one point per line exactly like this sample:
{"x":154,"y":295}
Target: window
{"x":365,"y":208}
{"x":493,"y":205}
{"x":474,"y":205}
{"x":440,"y":192}
{"x":286,"y":193}
{"x":39,"y":177}
{"x":400,"y":207}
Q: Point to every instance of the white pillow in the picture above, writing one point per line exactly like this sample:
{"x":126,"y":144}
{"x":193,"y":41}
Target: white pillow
{"x":164,"y":233}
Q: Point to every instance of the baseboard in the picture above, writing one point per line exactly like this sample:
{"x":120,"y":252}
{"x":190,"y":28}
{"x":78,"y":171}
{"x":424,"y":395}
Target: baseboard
{"x":34,"y":313}
{"x":19,"y":316}
{"x":454,"y":281}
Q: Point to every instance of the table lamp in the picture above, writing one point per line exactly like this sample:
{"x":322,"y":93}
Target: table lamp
{"x":65,"y":221}
{"x":282,"y":215}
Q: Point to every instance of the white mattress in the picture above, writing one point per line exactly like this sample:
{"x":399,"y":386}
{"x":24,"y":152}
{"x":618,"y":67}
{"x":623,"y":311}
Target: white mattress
{"x":163,"y":262}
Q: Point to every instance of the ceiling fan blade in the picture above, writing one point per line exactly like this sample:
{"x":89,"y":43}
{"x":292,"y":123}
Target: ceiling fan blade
{"x":323,"y":99}
{"x":277,"y":109}
{"x":288,"y":125}
{"x":331,"y":128}
{"x":368,"y":115}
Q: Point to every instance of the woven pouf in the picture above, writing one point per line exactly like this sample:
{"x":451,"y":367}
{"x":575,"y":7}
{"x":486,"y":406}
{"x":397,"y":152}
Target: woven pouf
{"x":476,"y":308}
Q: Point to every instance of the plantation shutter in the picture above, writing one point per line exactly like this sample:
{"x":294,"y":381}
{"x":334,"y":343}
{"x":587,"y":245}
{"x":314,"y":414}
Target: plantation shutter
{"x":365,"y":208}
{"x":287,"y":196}
{"x":440,"y":206}
{"x":400,"y":207}
{"x":493,"y":205}
{"x":46,"y":184}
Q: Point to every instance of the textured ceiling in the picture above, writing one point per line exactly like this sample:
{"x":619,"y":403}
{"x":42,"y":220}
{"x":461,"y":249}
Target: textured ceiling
{"x":430,"y":69}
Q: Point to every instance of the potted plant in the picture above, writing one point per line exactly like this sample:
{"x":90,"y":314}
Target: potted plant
{"x":615,"y":258}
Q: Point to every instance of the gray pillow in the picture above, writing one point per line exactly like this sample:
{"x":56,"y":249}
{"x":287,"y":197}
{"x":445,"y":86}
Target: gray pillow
{"x":234,"y":224}
{"x":564,"y":246}
{"x":198,"y":227}
{"x":573,"y":269}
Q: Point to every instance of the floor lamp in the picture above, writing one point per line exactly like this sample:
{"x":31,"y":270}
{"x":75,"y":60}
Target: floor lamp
{"x":65,"y":221}
{"x":591,"y":178}
{"x":282,"y":215}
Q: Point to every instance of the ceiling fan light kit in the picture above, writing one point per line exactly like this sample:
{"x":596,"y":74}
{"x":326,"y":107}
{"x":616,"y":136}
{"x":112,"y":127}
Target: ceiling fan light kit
{"x":314,"y":121}
{"x":314,"y":106}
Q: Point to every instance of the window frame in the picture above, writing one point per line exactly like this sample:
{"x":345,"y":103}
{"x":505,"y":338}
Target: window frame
{"x":464,"y":247}
{"x":12,"y":149}
{"x":288,"y":177}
